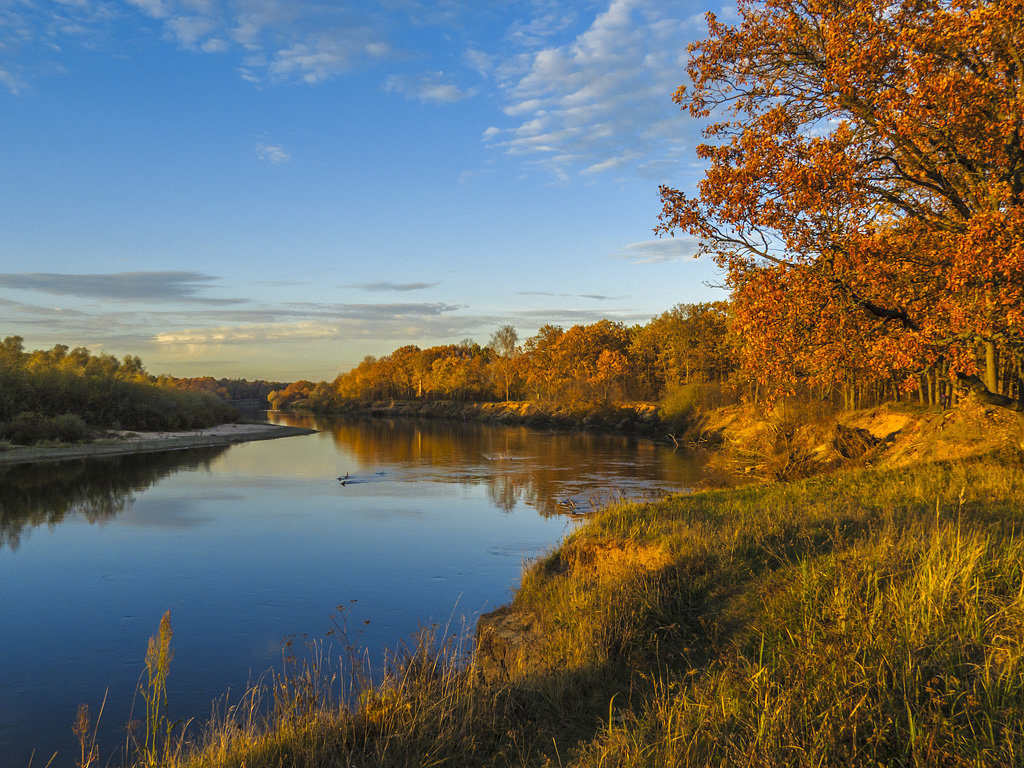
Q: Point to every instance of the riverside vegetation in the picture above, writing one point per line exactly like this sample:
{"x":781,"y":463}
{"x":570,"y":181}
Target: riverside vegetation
{"x":869,"y":617}
{"x":66,"y":395}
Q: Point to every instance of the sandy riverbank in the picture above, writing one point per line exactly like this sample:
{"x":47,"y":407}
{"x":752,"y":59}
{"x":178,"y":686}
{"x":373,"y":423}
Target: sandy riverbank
{"x":121,"y":442}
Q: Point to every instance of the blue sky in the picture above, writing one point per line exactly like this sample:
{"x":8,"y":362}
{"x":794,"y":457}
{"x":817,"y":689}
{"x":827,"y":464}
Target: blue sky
{"x":277,"y":188}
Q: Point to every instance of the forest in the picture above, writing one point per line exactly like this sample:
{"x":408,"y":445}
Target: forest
{"x":693,"y":354}
{"x":66,"y":394}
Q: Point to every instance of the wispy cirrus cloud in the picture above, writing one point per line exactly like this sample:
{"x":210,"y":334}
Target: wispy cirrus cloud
{"x":279,"y":40}
{"x":594,"y":296}
{"x":659,"y":251}
{"x":536,"y":317}
{"x":536,"y":31}
{"x":253,"y":332}
{"x":393,"y":311}
{"x":32,"y":35}
{"x":401,"y":287}
{"x":118,"y":286}
{"x":428,"y":87}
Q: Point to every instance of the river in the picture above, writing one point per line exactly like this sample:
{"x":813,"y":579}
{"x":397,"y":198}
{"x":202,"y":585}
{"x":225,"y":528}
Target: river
{"x":257,"y":548}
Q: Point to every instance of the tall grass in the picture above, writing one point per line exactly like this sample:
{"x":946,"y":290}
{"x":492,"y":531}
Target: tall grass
{"x":867,"y":618}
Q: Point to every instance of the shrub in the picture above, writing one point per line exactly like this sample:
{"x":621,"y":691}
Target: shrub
{"x":679,"y":403}
{"x":29,"y":427}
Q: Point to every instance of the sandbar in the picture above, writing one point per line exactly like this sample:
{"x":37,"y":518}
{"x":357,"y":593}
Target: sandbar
{"x":119,"y":442}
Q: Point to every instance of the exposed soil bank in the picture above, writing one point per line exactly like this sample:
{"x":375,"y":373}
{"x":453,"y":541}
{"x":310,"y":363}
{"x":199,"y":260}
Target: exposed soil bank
{"x":147,"y":442}
{"x":795,"y":441}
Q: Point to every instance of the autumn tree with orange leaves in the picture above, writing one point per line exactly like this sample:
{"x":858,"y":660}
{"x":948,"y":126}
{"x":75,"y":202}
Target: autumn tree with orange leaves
{"x":865,"y":187}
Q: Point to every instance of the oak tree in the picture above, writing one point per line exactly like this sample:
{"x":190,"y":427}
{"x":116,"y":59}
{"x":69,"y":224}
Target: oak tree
{"x":865,"y":183}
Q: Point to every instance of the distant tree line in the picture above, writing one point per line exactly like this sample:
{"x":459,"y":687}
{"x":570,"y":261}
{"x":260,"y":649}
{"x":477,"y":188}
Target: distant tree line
{"x":691,"y":355}
{"x":241,"y":392}
{"x":64,"y":394}
{"x":585,"y":366}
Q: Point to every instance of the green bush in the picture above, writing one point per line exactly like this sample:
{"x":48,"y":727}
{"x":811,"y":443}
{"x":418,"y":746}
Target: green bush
{"x":679,"y":403}
{"x":29,"y":427}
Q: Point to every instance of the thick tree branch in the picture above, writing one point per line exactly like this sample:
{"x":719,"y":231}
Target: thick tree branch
{"x":977,"y":387}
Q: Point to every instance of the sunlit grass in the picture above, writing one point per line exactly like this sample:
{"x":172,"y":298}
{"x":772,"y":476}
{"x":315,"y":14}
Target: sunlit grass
{"x":865,"y":618}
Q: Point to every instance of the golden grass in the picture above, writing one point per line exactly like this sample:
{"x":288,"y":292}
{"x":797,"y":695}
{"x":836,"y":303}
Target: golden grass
{"x":866,"y":618}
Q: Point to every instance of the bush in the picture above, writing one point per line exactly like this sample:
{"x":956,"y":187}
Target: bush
{"x":29,"y":428}
{"x":679,"y":403}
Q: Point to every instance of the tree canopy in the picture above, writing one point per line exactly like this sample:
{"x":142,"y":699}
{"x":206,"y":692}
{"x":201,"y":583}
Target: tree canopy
{"x":865,"y":185}
{"x":585,"y":366}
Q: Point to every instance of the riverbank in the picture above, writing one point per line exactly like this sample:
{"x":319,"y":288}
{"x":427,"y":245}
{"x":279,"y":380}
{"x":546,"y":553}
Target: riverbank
{"x":747,"y":444}
{"x":871,"y":616}
{"x":125,"y":442}
{"x":627,"y":418}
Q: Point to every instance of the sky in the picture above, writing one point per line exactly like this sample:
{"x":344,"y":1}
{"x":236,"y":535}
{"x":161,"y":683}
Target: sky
{"x":277,"y":188}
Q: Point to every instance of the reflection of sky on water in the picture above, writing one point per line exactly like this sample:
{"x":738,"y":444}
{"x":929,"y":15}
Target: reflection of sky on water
{"x":249,"y":545}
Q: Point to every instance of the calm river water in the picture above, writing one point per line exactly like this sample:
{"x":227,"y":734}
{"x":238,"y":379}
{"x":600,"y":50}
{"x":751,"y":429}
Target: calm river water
{"x":256,"y":544}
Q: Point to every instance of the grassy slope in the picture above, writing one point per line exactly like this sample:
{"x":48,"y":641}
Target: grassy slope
{"x":873,"y":617}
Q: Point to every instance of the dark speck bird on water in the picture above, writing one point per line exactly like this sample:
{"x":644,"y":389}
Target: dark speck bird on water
{"x":343,"y":479}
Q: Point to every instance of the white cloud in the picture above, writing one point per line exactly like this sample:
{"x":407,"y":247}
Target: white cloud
{"x":274,"y":154}
{"x":480,"y":61}
{"x":13,"y":82}
{"x":234,"y":334}
{"x":283,"y":39}
{"x":585,"y":86}
{"x":602,"y":102}
{"x":660,"y":251}
{"x":316,"y":60}
{"x":213,"y":45}
{"x":190,"y":31}
{"x":154,"y":8}
{"x":32,"y":34}
{"x":537,"y":30}
{"x":429,"y":87}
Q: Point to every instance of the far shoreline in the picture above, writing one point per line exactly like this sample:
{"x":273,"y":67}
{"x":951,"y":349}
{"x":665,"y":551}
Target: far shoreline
{"x":127,"y":442}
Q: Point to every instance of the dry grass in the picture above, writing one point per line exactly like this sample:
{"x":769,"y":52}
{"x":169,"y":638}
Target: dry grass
{"x":865,"y":618}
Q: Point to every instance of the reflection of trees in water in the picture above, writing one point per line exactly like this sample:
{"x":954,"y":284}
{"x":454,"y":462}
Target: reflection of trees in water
{"x":515,"y":462}
{"x":97,"y":489}
{"x":505,"y":491}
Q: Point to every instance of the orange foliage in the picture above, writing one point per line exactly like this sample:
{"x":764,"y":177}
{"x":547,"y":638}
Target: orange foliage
{"x":865,"y":183}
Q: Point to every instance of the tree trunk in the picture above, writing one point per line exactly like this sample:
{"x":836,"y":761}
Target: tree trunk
{"x":991,"y":367}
